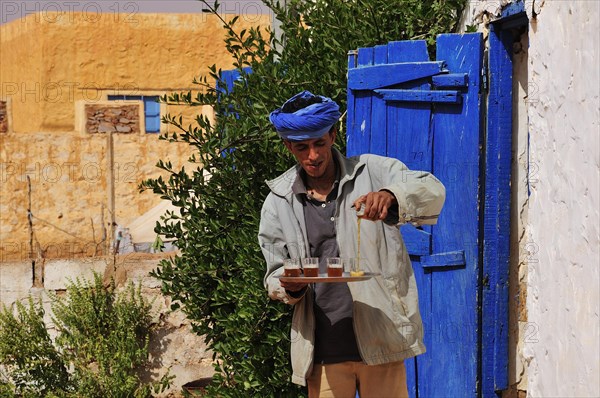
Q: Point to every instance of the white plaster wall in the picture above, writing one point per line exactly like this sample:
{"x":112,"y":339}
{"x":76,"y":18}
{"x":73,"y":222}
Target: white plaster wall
{"x":563,"y":275}
{"x":556,"y":350}
{"x":518,"y":325}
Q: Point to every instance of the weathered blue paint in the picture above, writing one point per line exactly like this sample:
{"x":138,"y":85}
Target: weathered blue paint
{"x":152,"y":114}
{"x":379,"y":120}
{"x":417,"y":241}
{"x":360,"y":132}
{"x":359,"y":128}
{"x":226,"y":84}
{"x":151,"y":109}
{"x":497,"y":216}
{"x":397,"y":95}
{"x":396,"y":73}
{"x":350,"y":116}
{"x":450,"y":80}
{"x":449,"y":259}
{"x":457,"y":156}
{"x":229,"y":77}
{"x":513,"y":16}
{"x":513,"y":9}
{"x":445,"y":138}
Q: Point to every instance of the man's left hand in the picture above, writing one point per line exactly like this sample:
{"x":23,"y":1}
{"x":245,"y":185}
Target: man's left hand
{"x":376,"y":204}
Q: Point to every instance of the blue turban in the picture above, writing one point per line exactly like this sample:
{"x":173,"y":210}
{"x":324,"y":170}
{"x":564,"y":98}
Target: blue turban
{"x":305,"y":116}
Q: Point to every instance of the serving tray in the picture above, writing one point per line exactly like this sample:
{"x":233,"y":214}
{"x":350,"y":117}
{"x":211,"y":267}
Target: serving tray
{"x":323,"y":278}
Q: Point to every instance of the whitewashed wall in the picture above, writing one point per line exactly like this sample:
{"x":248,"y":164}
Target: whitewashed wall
{"x":563,"y":284}
{"x":555,"y":244}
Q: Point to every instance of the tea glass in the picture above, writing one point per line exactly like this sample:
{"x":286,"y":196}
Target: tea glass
{"x":335,"y":267}
{"x":310,"y":266}
{"x":291,"y":267}
{"x":354,"y":265}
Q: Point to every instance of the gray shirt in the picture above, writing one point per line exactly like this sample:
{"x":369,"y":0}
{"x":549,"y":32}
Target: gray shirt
{"x":334,"y":333}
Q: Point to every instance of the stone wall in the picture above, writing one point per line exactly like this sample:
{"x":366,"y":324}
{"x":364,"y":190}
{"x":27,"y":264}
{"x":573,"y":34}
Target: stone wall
{"x":64,"y":182}
{"x":3,"y":117}
{"x":117,"y":119}
{"x":72,"y":186}
{"x":173,"y":345}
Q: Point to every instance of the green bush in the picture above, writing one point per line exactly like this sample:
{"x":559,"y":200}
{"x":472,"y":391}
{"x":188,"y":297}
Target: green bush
{"x":26,"y":350}
{"x":217,"y":277}
{"x":100,"y":348}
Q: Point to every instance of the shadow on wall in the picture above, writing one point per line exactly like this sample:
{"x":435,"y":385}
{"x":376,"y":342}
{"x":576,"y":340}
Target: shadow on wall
{"x":197,"y":387}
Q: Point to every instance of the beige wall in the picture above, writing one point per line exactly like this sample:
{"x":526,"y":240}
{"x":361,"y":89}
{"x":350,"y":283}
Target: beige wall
{"x":50,"y":69}
{"x":50,"y":63}
{"x":69,"y":188}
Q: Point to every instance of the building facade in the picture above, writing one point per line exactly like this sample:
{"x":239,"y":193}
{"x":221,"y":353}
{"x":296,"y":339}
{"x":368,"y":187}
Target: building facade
{"x":79,"y":131}
{"x":79,"y":124}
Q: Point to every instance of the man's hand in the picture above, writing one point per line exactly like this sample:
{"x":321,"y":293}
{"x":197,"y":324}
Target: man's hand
{"x":376,"y":205}
{"x":293,"y":286}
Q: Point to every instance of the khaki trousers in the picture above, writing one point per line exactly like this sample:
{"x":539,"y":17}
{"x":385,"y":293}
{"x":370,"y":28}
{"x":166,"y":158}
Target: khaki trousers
{"x":342,"y":380}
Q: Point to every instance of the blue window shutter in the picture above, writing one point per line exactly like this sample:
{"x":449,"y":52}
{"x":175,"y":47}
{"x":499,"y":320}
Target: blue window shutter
{"x":151,"y":109}
{"x":229,"y":77}
{"x":152,"y":114}
{"x":116,"y":97}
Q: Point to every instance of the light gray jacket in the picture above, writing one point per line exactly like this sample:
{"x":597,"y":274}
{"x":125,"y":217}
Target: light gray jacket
{"x":387,"y":322}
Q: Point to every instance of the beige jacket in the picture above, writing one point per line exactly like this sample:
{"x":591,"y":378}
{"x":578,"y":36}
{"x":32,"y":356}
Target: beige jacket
{"x":387,"y":321}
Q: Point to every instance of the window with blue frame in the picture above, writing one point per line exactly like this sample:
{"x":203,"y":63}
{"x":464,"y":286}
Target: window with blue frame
{"x":151,"y":109}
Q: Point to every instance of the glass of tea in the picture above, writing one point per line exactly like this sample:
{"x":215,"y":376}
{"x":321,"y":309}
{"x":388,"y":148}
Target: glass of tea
{"x":355,"y":266}
{"x":291,"y":267}
{"x":310,"y":266}
{"x":335,"y":267}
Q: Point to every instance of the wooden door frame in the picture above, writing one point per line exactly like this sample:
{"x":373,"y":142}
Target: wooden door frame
{"x":497,"y":202}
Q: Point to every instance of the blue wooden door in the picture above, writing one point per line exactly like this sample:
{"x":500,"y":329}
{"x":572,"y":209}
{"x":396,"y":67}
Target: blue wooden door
{"x":428,"y":114}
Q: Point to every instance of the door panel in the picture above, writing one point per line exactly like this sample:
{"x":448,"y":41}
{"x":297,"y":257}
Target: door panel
{"x":457,"y":156}
{"x":428,"y":115}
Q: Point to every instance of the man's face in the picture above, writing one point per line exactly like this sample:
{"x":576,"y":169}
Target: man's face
{"x":313,"y":155}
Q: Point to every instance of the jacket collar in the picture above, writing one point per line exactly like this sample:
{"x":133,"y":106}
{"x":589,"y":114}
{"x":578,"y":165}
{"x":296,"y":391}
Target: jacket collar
{"x":282,"y":185}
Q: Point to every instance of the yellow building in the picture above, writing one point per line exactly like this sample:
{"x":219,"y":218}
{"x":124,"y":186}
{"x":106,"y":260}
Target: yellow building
{"x":78,"y":121}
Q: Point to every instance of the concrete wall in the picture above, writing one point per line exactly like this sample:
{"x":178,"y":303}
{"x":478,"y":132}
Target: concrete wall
{"x":173,"y":345}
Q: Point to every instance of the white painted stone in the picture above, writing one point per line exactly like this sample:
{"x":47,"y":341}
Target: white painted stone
{"x":139,"y":271}
{"x":182,"y":352}
{"x":15,"y":281}
{"x":57,"y":273}
{"x":41,"y":295}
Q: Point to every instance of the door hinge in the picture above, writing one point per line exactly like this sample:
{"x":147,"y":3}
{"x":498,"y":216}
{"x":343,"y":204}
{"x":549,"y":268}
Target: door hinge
{"x":484,"y":73}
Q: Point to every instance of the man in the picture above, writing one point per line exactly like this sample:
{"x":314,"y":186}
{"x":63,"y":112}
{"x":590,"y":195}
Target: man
{"x":345,"y":336}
